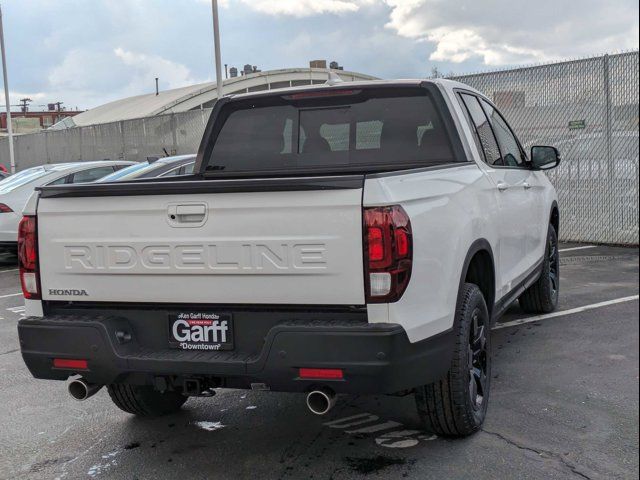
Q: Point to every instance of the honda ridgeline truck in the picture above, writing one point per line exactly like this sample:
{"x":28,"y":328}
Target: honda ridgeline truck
{"x":348,"y":238}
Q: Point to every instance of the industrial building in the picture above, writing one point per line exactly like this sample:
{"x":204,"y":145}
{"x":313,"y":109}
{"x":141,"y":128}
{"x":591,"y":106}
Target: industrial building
{"x":29,"y":121}
{"x":204,"y":95}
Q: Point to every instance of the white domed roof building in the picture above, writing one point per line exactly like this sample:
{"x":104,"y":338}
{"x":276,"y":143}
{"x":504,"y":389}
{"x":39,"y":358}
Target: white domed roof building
{"x":202,"y":95}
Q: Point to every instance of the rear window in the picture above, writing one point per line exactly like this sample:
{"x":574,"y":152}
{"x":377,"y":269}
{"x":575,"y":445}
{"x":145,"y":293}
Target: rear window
{"x":124,"y":172}
{"x":21,"y":178}
{"x":131,"y":173}
{"x":357,"y":131}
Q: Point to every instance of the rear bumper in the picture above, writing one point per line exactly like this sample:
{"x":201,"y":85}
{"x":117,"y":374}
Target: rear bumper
{"x":375,"y":358}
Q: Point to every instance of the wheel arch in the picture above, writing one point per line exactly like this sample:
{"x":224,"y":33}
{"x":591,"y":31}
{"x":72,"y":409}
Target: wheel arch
{"x":479,"y":268}
{"x":554,"y":218}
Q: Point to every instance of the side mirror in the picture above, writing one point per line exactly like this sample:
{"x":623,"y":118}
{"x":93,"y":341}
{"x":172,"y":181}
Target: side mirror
{"x":544,"y":158}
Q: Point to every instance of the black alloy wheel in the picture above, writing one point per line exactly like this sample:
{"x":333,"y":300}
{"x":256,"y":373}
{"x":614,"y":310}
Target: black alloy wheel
{"x":477,"y":361}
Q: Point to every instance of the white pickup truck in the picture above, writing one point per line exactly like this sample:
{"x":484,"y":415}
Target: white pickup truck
{"x":354,"y":238}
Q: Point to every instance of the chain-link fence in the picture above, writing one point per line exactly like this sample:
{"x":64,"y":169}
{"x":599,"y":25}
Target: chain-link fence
{"x":172,"y":134}
{"x":589,"y":110}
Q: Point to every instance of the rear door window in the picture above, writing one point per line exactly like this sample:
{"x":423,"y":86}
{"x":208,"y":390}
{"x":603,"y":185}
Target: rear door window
{"x":483,"y":130}
{"x":512,"y":156}
{"x":91,"y":175}
{"x":61,"y":180}
{"x":352,"y":132}
{"x":171,"y":173}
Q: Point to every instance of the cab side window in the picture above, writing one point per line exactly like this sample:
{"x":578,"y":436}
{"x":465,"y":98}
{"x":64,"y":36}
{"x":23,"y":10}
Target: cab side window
{"x":512,"y":156}
{"x":483,"y":130}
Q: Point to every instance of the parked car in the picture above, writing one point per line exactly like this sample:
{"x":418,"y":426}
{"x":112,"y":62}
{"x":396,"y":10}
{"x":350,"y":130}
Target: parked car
{"x":586,"y":158}
{"x":16,"y":190}
{"x":360,"y":238}
{"x":163,"y":167}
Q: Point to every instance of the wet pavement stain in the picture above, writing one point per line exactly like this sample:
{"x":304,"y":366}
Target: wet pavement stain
{"x":375,"y":464}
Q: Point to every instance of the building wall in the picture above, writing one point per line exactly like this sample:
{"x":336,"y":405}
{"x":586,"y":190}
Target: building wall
{"x":45,"y":119}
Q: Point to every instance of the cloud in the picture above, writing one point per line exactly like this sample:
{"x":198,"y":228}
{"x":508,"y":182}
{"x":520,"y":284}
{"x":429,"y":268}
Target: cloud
{"x":460,"y":45}
{"x":502,"y":32}
{"x":221,"y":3}
{"x":89,"y":53}
{"x":494,"y":32}
{"x":146,"y":67}
{"x":306,"y":8}
{"x":89,"y":76}
{"x":15,"y":97}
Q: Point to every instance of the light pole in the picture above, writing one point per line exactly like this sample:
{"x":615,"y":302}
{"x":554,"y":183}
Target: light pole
{"x":6,"y":97}
{"x":216,"y":43}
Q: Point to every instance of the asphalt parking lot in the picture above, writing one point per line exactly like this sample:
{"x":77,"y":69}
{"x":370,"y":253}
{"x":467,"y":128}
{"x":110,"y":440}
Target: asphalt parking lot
{"x":564,"y":405}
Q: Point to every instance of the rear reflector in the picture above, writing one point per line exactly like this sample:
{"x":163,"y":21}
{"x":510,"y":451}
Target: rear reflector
{"x":321,"y":373}
{"x":70,"y":364}
{"x":28,"y":257}
{"x":4,"y":208}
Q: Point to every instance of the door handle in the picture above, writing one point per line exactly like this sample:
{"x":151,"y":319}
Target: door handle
{"x":193,"y":214}
{"x":502,"y":186}
{"x":190,"y":210}
{"x":526,"y":185}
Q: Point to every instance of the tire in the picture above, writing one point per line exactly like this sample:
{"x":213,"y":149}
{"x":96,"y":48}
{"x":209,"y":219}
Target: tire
{"x":457,"y":405}
{"x":144,"y":401}
{"x":542,"y":296}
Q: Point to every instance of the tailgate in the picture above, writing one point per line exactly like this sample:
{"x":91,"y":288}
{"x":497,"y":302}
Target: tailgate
{"x":255,"y":247}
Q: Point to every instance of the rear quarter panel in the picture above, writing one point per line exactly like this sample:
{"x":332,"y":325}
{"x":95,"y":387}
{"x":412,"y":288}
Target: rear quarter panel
{"x":449,"y":209}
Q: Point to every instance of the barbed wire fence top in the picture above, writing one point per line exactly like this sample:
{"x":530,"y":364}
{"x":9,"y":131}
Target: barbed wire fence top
{"x":587,"y":108}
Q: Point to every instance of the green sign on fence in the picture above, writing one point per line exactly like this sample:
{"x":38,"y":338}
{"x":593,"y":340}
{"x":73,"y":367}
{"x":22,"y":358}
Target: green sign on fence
{"x":577,"y":124}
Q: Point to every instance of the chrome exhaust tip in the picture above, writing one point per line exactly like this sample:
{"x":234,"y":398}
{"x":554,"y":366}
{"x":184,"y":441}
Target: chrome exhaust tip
{"x":321,"y":401}
{"x":80,"y":389}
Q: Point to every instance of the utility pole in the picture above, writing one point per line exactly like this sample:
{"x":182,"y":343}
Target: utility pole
{"x":59,"y":106}
{"x":24,"y":104}
{"x":216,"y":44}
{"x":12,"y":157}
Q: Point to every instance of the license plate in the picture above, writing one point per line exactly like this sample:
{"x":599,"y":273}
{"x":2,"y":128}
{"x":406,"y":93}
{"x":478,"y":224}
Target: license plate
{"x":200,"y":331}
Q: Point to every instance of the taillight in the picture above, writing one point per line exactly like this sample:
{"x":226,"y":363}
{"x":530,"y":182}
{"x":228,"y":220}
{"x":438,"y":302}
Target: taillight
{"x":388,"y":253}
{"x":4,"y":208}
{"x":28,"y":257}
{"x":321,"y":93}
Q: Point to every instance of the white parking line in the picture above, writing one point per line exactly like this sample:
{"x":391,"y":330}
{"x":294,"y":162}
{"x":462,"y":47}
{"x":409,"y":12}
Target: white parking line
{"x":562,"y":250}
{"x":562,"y":313}
{"x":10,"y":295}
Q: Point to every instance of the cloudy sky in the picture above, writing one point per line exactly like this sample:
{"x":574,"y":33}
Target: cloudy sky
{"x":87,"y":52}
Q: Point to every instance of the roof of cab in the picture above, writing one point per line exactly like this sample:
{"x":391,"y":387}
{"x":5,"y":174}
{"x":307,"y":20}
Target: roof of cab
{"x":448,"y":84}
